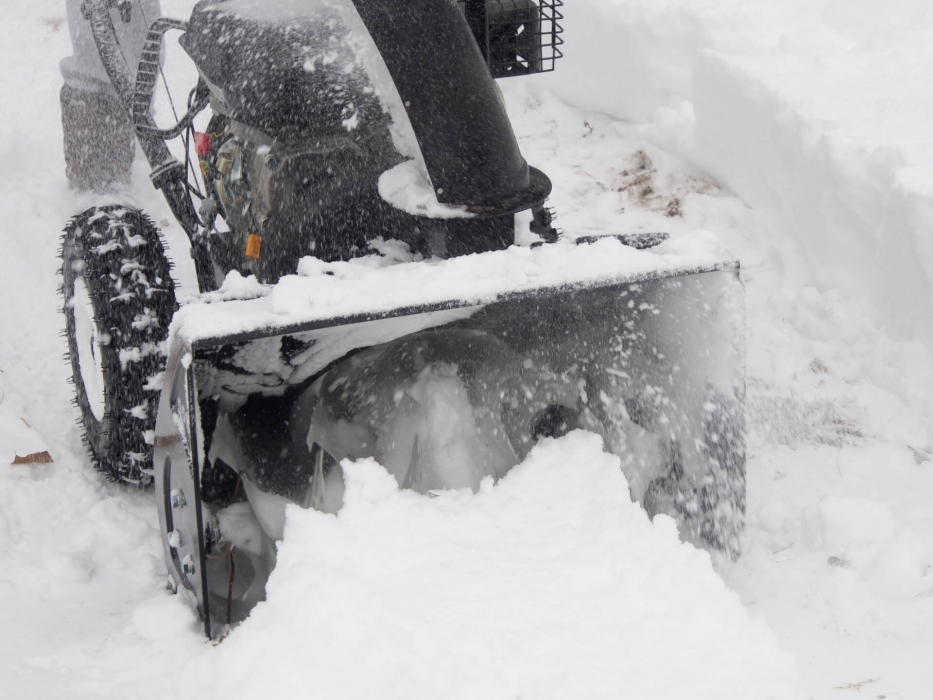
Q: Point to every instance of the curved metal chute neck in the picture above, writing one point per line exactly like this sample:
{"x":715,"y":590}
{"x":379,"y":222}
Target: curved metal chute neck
{"x":450,"y":97}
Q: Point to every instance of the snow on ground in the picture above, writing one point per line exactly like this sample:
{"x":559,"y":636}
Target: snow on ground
{"x":794,"y":129}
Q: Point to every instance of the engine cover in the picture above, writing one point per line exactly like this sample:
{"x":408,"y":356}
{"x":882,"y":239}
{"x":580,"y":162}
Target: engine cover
{"x":286,"y":76}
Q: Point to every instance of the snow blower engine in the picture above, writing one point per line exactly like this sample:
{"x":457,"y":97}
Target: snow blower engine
{"x":353,"y":205}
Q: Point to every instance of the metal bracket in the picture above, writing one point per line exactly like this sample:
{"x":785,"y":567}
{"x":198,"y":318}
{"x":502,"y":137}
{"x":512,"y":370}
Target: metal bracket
{"x":169,"y":171}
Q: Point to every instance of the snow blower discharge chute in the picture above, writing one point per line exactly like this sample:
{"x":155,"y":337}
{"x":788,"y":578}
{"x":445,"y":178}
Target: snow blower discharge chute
{"x":359,"y":162}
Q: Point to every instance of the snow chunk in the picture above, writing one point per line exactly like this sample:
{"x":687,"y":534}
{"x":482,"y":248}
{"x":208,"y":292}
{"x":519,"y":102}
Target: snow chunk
{"x":855,"y":521}
{"x":898,"y":570}
{"x":689,"y":248}
{"x":236,"y":286}
{"x":241,"y":528}
{"x":407,"y":188}
{"x":162,"y":618}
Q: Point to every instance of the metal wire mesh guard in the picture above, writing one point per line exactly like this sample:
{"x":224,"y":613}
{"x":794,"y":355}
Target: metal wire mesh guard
{"x":518,"y":37}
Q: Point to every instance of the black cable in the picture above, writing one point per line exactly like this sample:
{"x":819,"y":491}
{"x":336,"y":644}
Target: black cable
{"x":189,"y":167}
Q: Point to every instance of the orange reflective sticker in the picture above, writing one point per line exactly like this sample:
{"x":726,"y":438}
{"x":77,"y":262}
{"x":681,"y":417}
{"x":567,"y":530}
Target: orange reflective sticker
{"x":253,"y":243}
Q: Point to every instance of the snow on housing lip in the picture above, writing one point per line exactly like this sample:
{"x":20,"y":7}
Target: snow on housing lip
{"x":348,"y":292}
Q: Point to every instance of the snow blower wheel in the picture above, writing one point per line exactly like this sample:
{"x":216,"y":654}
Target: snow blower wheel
{"x":119,"y":298}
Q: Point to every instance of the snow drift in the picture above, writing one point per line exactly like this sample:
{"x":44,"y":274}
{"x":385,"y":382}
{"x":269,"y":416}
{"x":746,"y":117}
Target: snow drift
{"x":817,"y":112}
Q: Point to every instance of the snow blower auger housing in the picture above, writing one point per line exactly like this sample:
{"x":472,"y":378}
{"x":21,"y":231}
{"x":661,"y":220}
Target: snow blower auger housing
{"x":359,"y":162}
{"x":451,"y":374}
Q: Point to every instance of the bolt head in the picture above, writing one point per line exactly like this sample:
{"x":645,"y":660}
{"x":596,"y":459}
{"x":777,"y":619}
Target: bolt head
{"x":177,"y":498}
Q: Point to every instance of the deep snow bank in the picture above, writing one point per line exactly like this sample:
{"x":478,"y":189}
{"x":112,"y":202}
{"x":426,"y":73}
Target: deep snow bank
{"x":813,"y":110}
{"x":841,"y":158}
{"x":550,"y":584}
{"x":634,"y":59}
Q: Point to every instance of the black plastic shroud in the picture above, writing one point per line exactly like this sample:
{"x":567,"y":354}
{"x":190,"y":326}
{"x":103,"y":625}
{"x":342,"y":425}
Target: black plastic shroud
{"x":451,"y":99}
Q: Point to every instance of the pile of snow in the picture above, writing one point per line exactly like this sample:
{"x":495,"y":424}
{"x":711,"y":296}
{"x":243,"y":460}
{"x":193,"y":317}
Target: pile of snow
{"x":550,"y":584}
{"x":866,"y":536}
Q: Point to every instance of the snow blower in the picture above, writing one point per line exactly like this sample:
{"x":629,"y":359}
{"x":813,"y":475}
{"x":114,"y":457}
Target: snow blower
{"x":359,"y":197}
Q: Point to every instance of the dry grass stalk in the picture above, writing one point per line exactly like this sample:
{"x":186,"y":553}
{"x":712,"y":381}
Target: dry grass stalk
{"x":855,"y":686}
{"x":783,"y":420}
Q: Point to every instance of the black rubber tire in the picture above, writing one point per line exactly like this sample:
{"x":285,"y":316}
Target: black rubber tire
{"x":116,"y":257}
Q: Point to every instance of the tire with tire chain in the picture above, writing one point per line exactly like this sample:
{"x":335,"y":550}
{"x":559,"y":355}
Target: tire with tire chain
{"x":119,"y":300}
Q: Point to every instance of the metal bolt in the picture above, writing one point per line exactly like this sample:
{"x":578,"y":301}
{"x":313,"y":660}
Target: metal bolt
{"x":177,"y":498}
{"x":174,"y":539}
{"x":187,"y":565}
